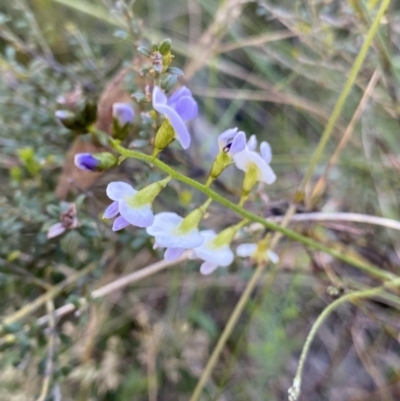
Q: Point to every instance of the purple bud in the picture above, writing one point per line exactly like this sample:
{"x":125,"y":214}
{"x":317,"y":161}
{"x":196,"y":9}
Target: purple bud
{"x":123,"y":113}
{"x":63,"y":114}
{"x":86,"y":161}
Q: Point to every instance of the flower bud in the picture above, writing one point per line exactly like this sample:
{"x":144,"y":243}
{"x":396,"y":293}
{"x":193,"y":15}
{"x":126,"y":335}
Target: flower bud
{"x":66,"y":117}
{"x":123,"y":114}
{"x":165,"y":46}
{"x":165,"y":135}
{"x":95,"y":162}
{"x":79,"y":120}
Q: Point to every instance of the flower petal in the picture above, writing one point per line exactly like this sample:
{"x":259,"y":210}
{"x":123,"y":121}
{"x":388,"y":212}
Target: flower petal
{"x":273,"y":257}
{"x":165,"y":231}
{"x":207,"y":268}
{"x":172,"y":254}
{"x":119,"y":223}
{"x":111,"y":211}
{"x":189,"y":240}
{"x":123,"y":112}
{"x":178,"y":94}
{"x":55,"y":230}
{"x":252,"y":142}
{"x":267,"y":174}
{"x":164,"y":222}
{"x":187,"y":108}
{"x":222,"y":256}
{"x":140,"y":217}
{"x":226,"y":136}
{"x":117,"y":190}
{"x":86,"y":161}
{"x":158,"y":96}
{"x":245,"y":250}
{"x":266,"y":152}
{"x":177,"y":123}
{"x":238,"y":143}
{"x":244,"y":159}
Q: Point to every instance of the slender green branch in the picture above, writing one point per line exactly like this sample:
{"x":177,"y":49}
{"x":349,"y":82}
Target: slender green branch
{"x":345,"y":92}
{"x":294,"y":391}
{"x":360,"y":264}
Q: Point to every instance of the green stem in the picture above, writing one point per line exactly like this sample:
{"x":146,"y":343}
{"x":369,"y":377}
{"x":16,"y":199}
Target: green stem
{"x":343,"y":96}
{"x":294,"y":391}
{"x":360,"y":264}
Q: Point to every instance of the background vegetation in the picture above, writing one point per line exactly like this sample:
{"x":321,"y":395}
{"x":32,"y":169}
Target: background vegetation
{"x":272,"y":68}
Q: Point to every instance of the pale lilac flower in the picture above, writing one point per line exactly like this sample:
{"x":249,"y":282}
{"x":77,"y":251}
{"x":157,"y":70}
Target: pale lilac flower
{"x":68,"y":221}
{"x":231,"y":141}
{"x":248,"y":158}
{"x":132,"y":210}
{"x":169,"y":233}
{"x":86,"y":161}
{"x":180,"y":107}
{"x":55,"y":230}
{"x":213,"y":253}
{"x":111,"y":212}
{"x":123,"y":113}
{"x":246,"y":250}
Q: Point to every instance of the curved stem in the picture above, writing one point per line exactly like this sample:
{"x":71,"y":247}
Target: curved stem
{"x":360,"y":264}
{"x":294,"y":391}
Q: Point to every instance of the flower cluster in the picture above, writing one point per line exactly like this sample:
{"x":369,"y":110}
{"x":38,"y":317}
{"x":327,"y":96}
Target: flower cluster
{"x":134,"y":207}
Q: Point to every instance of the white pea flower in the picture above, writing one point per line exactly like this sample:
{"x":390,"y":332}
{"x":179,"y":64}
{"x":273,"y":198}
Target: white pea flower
{"x":133,"y":206}
{"x":246,"y":250}
{"x":214,"y":251}
{"x":125,"y":203}
{"x":251,"y":161}
{"x":171,"y":232}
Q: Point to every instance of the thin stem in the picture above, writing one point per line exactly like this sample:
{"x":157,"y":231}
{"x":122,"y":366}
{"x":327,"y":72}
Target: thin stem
{"x":49,"y":295}
{"x":294,"y":391}
{"x":362,"y":265}
{"x":115,"y":285}
{"x":345,"y":92}
{"x":50,"y":353}
{"x":226,"y":333}
{"x":320,"y":186}
{"x":339,"y":216}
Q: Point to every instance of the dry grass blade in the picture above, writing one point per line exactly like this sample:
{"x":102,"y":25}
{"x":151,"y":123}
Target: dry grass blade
{"x":320,"y":186}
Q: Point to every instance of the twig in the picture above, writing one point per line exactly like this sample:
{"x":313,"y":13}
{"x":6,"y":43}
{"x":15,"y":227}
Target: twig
{"x":321,"y":184}
{"x":256,"y":40}
{"x":339,"y":216}
{"x":115,"y":285}
{"x":50,"y":353}
{"x":49,"y":295}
